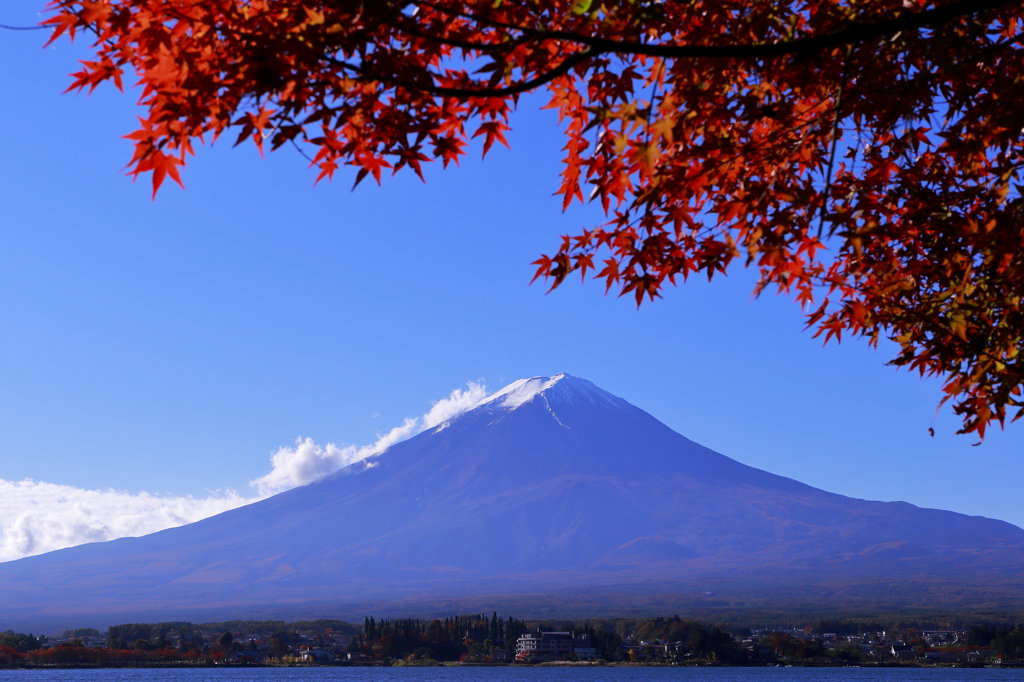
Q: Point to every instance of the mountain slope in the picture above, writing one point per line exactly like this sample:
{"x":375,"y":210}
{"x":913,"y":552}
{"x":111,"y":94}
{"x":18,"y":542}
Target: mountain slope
{"x":549,"y":485}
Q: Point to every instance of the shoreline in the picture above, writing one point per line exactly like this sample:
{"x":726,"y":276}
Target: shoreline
{"x":482,"y":664}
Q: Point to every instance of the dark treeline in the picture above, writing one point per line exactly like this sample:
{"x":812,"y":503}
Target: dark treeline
{"x":80,"y":633}
{"x":150,"y":636}
{"x":856,"y":626}
{"x":703,"y":639}
{"x":155,"y":636}
{"x":673,"y":629}
{"x":20,"y":642}
{"x":1004,"y":641}
{"x":449,"y":639}
{"x":305,"y":627}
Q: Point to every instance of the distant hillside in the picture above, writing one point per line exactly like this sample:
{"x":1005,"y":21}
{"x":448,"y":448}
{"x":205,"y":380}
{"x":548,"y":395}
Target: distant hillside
{"x":554,"y":495}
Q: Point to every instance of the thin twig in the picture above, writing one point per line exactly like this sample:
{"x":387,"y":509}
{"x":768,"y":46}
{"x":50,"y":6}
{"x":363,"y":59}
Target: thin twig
{"x":833,"y":141}
{"x":300,"y":150}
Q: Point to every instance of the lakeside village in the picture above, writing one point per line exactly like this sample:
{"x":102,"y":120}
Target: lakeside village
{"x":483,"y":640}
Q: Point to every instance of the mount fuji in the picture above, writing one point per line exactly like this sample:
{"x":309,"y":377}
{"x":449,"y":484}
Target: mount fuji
{"x":549,"y":487}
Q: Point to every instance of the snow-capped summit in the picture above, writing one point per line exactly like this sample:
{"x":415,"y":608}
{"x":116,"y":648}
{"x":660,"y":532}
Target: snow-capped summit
{"x":561,"y":387}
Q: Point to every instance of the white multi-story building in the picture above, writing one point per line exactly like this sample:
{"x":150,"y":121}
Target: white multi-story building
{"x":553,"y":646}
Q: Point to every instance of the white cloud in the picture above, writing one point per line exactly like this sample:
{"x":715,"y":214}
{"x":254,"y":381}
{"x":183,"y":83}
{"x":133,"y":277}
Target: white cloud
{"x":37,"y":517}
{"x":307,"y":461}
{"x":454,"y":405}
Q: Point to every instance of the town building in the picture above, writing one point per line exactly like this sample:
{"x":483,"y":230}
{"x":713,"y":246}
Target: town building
{"x":583,"y":648}
{"x":547,"y":645}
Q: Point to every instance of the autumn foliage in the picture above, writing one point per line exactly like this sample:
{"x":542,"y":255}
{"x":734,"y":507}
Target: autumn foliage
{"x":863,"y":156}
{"x":70,"y":655}
{"x":76,"y":654}
{"x":10,"y":656}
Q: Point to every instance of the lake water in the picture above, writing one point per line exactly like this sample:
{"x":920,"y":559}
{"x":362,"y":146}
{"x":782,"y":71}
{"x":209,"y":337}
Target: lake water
{"x":544,"y":674}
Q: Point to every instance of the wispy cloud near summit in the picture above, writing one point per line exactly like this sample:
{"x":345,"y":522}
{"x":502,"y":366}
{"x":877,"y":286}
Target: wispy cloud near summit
{"x":307,"y":461}
{"x":38,"y":517}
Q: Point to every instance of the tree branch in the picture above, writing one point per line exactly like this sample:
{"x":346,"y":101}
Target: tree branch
{"x":465,"y":93}
{"x":852,"y":34}
{"x":845,"y":37}
{"x":519,"y":88}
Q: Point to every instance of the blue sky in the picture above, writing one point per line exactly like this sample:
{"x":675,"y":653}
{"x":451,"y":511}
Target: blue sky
{"x":171,"y":346}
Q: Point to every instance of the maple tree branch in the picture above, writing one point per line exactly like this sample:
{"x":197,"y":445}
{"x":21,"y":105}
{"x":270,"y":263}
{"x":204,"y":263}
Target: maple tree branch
{"x":854,"y":33}
{"x":847,"y":36}
{"x":444,"y":91}
{"x":519,"y":88}
{"x":23,"y":28}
